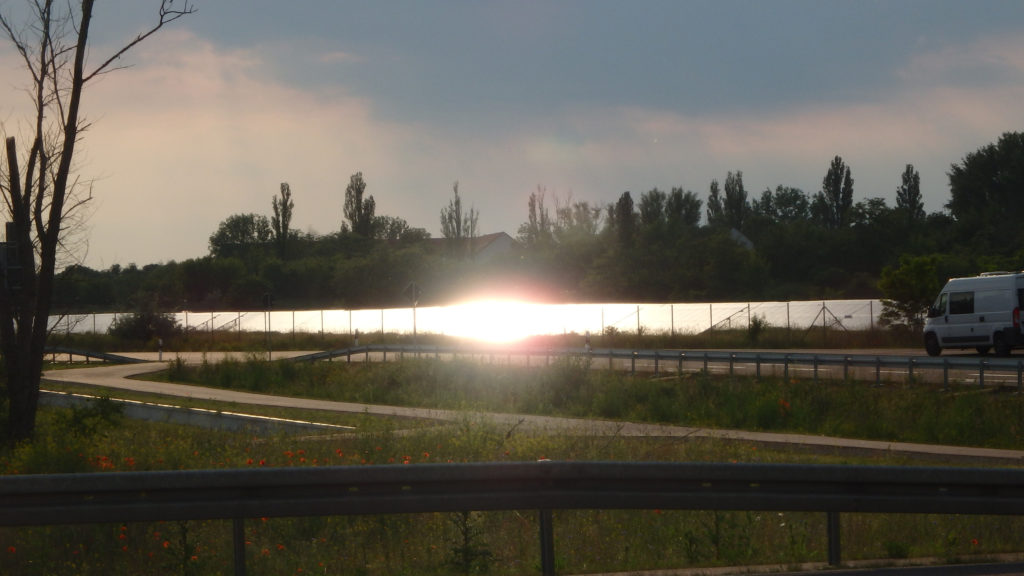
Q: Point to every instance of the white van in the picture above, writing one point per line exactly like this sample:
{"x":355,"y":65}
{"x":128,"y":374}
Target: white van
{"x":981,"y":312}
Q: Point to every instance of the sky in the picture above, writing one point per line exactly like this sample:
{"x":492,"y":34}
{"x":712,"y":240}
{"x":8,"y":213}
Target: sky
{"x":585,"y":99}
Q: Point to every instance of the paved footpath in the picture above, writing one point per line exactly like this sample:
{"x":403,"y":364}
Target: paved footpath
{"x":120,"y":376}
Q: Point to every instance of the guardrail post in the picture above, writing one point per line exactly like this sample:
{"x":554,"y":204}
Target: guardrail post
{"x":732,"y":363}
{"x":910,"y":369}
{"x":632,"y":364}
{"x":655,"y":362}
{"x":705,"y":362}
{"x":878,"y":370}
{"x":815,"y":368}
{"x":679,"y":369}
{"x":785,"y":368}
{"x":238,"y":537}
{"x":757,"y":364}
{"x":945,"y":373}
{"x":547,"y":544}
{"x":834,"y":543}
{"x":981,"y":374}
{"x":1020,"y":375}
{"x":846,"y":368}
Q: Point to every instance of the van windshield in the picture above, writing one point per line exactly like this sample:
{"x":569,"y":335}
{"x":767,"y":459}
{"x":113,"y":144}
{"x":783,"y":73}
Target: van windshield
{"x":939,"y":306}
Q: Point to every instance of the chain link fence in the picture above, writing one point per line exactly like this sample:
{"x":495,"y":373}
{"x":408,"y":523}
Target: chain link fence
{"x":473,"y":319}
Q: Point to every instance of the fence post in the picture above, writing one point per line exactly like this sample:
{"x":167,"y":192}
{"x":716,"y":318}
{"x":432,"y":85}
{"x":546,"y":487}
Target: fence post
{"x":547,"y":544}
{"x":834,"y":543}
{"x":238,"y":542}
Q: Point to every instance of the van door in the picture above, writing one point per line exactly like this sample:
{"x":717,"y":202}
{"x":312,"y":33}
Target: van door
{"x":962,"y":326}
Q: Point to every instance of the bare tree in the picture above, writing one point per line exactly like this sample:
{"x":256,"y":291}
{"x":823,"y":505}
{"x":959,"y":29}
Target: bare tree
{"x":38,"y":185}
{"x":460,"y":228}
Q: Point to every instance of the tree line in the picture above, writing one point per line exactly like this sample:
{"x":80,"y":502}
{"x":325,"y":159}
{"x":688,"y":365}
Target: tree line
{"x":659,"y":245}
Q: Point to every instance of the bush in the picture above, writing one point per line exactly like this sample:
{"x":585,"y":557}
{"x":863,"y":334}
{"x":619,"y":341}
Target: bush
{"x":145,"y":327}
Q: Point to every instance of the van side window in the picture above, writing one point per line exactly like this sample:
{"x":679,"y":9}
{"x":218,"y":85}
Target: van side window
{"x":961,"y":303}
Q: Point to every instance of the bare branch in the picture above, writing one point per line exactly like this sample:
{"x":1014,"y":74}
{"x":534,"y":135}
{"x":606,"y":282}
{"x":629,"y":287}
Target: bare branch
{"x":167,"y":15}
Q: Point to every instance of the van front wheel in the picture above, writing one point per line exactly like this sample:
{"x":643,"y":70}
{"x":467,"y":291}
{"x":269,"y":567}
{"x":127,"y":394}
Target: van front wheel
{"x":931,"y":344}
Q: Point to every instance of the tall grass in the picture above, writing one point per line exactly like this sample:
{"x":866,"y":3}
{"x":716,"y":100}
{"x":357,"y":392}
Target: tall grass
{"x":569,"y":387}
{"x":501,"y":543}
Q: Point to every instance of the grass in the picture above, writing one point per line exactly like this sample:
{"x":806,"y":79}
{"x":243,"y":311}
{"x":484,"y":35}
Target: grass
{"x":964,"y":415}
{"x":97,"y":439}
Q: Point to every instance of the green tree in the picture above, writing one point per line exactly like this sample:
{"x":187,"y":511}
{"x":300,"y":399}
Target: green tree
{"x":624,"y":221}
{"x":39,"y":187}
{"x":735,"y":206}
{"x":281,"y":221}
{"x":652,"y":208}
{"x":791,"y":204}
{"x":358,"y":210}
{"x":832,"y":205}
{"x":238,"y":233}
{"x":395,"y":228}
{"x":682,"y":209}
{"x":908,"y":196}
{"x":987,"y":195}
{"x":716,"y":209}
{"x":908,"y":290}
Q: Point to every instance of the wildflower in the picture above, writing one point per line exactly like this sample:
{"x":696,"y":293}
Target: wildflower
{"x":974,"y":541}
{"x":166,"y":544}
{"x":11,"y":549}
{"x":280,"y":546}
{"x":249,"y":462}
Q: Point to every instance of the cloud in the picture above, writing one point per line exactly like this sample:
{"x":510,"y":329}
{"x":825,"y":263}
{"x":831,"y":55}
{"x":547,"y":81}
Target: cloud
{"x":193,"y":133}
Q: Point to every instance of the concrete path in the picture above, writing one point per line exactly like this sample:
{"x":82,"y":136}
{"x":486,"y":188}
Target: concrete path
{"x":120,"y":377}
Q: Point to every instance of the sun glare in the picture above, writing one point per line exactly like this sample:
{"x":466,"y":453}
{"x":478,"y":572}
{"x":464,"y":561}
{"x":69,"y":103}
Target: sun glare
{"x":492,"y":321}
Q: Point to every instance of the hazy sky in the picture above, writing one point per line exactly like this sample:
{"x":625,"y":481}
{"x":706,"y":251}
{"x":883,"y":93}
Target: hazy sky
{"x":586,"y":98}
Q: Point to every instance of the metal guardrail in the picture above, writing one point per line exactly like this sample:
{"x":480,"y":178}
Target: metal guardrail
{"x":103,"y":356}
{"x":544,"y":486}
{"x":666,"y":360}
